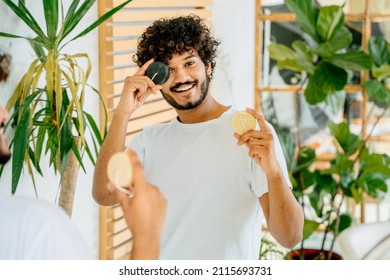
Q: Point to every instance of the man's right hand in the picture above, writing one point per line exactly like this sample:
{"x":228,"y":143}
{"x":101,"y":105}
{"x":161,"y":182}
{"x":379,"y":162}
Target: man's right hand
{"x":144,"y":212}
{"x":137,"y":88}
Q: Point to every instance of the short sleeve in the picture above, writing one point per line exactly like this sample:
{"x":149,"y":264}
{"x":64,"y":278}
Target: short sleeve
{"x":137,"y":144}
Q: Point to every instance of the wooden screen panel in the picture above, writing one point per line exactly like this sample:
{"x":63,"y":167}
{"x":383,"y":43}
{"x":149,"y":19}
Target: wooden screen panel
{"x":117,"y":45}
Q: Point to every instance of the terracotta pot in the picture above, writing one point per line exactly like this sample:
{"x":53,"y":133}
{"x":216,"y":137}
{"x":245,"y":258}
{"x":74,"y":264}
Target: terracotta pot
{"x":311,"y":254}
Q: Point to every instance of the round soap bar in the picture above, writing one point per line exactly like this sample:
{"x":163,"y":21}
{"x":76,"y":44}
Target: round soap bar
{"x":119,"y":170}
{"x":158,"y":72}
{"x":243,"y":122}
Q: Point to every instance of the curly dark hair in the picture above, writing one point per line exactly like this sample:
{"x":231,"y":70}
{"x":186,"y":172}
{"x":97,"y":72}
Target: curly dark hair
{"x":5,"y":65}
{"x":166,"y":37}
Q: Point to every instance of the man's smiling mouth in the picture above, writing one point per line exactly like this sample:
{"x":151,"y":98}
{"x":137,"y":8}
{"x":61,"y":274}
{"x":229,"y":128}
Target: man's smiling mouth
{"x":183,"y":87}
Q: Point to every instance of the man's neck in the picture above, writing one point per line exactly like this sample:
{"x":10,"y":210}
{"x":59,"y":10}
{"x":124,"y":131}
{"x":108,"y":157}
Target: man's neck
{"x":210,"y":109}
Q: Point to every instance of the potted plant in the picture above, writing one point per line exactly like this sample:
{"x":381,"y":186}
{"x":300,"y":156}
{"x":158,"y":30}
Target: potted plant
{"x":353,"y":173}
{"x":326,"y":61}
{"x":47,"y":104}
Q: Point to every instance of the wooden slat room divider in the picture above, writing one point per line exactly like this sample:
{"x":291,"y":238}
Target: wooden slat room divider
{"x":117,"y":44}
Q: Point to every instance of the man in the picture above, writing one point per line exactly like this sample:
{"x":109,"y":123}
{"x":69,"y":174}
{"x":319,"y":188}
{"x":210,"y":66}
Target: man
{"x":217,"y":194}
{"x":33,"y":229}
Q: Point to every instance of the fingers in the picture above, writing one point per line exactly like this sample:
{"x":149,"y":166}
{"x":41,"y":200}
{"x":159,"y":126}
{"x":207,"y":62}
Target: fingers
{"x":142,"y":85}
{"x":254,"y":137}
{"x":260,"y":119}
{"x":122,"y":197}
{"x":139,"y":85}
{"x":142,"y":70}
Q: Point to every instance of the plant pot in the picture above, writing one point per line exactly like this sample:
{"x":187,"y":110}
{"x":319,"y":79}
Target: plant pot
{"x":311,"y":254}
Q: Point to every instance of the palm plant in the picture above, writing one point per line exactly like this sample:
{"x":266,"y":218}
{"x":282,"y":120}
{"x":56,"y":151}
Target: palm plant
{"x":47,"y":104}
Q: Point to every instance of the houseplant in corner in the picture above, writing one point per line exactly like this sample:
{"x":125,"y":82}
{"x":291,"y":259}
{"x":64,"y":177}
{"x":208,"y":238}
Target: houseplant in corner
{"x":47,"y":104}
{"x":326,"y":62}
{"x":354,"y":172}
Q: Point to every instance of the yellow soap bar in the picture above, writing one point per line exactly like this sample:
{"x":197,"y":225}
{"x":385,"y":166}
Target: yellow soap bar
{"x":119,"y":170}
{"x":243,"y":122}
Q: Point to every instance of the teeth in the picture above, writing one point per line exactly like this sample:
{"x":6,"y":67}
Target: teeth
{"x":184,"y":88}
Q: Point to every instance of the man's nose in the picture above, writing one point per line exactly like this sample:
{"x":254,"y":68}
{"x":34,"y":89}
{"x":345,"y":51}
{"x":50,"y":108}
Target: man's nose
{"x":181,"y":75}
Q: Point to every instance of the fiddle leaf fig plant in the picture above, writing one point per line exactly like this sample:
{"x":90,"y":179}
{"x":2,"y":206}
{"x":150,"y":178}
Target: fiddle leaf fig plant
{"x":48,"y":103}
{"x":377,"y":86}
{"x":326,"y":60}
{"x":325,"y":57}
{"x":354,"y":171}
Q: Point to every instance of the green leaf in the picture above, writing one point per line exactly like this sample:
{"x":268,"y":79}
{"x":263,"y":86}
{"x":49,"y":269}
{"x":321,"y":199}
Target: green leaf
{"x":40,"y":141}
{"x":325,"y":183}
{"x":20,"y":147}
{"x":89,"y":153}
{"x":327,"y":79}
{"x":377,"y":92}
{"x":304,"y":179}
{"x":382,"y":72}
{"x":306,"y":157}
{"x":309,"y":228}
{"x":306,"y":12}
{"x":284,"y":56}
{"x":71,"y":10}
{"x":8,"y":35}
{"x":24,"y":14}
{"x":378,"y":48}
{"x":304,"y":56}
{"x":65,"y":133}
{"x":101,"y":19}
{"x":341,"y":40}
{"x":345,"y":221}
{"x":71,"y":22}
{"x":50,"y":8}
{"x":336,"y":101}
{"x":104,"y":110}
{"x":374,"y":184}
{"x":377,"y":163}
{"x":347,"y":140}
{"x":94,"y":127}
{"x":38,"y":49}
{"x":330,"y":20}
{"x":34,"y":160}
{"x":351,"y":60}
{"x":76,"y":152}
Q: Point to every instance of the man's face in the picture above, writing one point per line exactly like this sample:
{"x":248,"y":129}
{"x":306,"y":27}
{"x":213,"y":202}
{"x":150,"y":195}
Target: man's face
{"x":5,"y":153}
{"x":188,"y":82}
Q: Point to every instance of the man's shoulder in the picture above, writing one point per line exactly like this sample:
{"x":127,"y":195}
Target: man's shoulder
{"x":32,"y":206}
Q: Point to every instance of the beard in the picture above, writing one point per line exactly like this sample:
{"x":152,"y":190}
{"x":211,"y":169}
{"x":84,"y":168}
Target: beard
{"x":190,"y":105}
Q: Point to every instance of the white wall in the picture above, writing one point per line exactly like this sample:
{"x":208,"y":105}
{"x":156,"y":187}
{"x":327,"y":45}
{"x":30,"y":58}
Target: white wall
{"x":233,"y":84}
{"x":234,"y":26}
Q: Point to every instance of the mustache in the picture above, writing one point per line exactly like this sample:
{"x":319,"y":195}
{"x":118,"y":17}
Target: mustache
{"x":175,"y":87}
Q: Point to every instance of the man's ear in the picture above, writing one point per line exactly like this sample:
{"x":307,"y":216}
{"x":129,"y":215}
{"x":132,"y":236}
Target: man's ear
{"x":208,"y":69}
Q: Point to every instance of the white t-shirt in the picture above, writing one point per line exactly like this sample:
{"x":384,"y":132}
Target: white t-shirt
{"x":32,"y":229}
{"x":211,"y":185}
